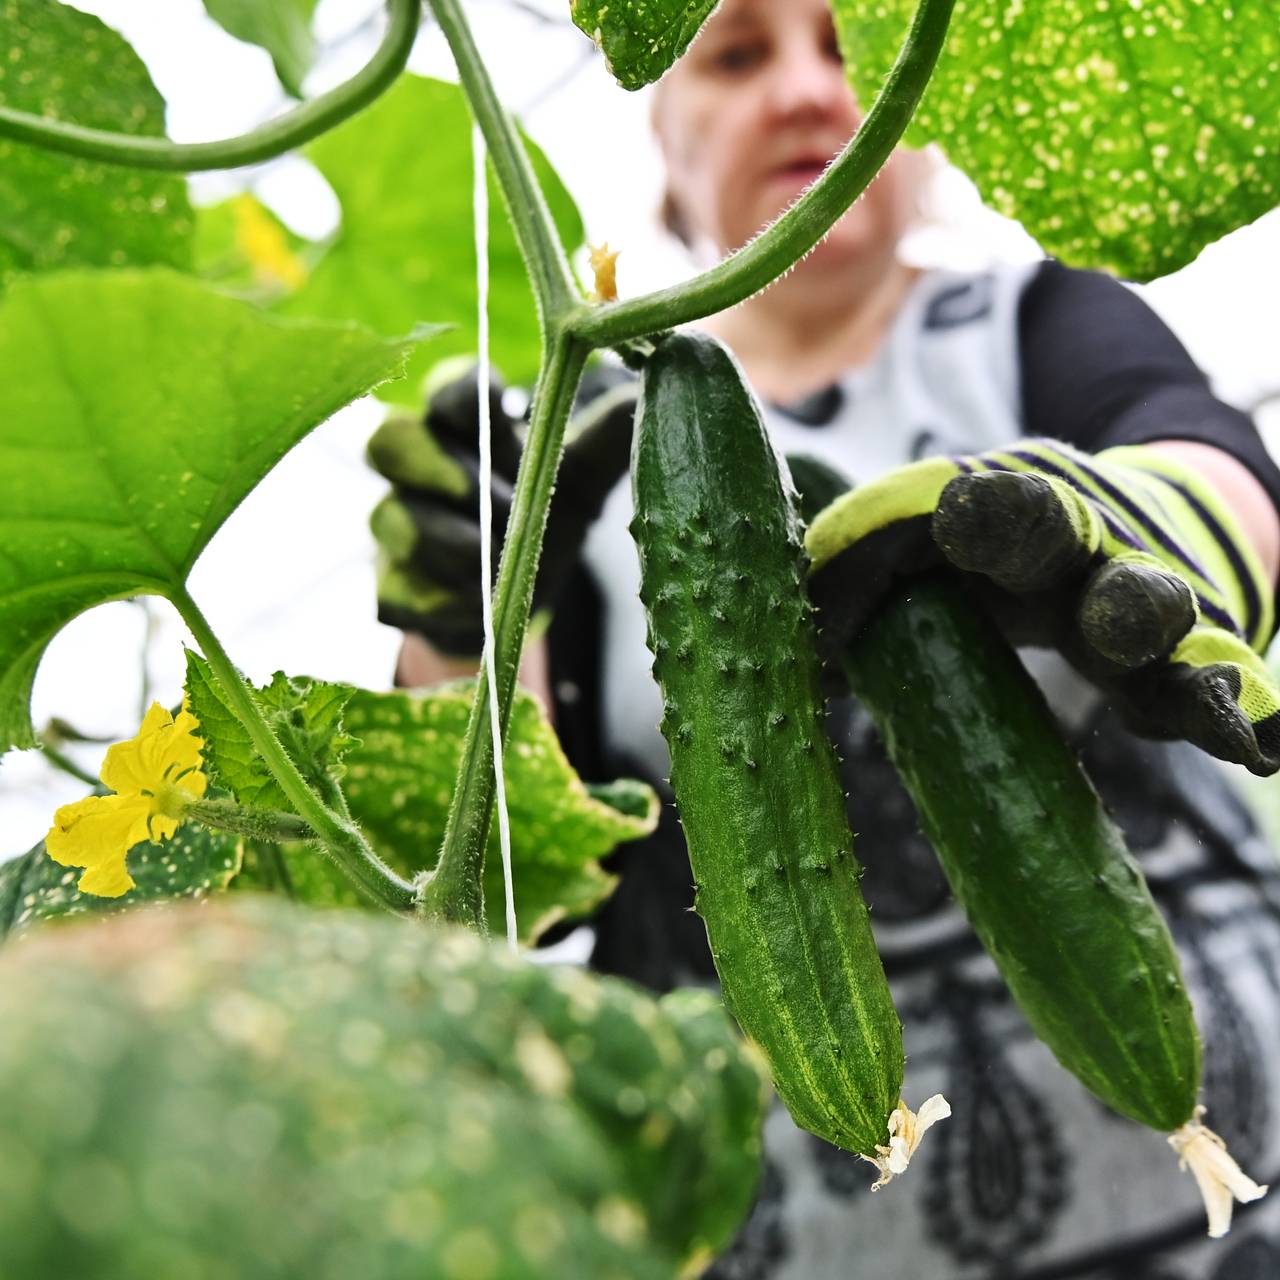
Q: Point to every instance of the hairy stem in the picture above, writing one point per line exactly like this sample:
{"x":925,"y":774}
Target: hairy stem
{"x":554,"y":287}
{"x":268,"y":140}
{"x":340,"y":838}
{"x":261,"y":824}
{"x":774,"y":250}
{"x":454,"y":891}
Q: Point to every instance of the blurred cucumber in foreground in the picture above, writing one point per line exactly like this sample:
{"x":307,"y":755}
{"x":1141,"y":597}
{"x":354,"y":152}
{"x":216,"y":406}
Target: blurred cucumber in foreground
{"x":253,"y":1090}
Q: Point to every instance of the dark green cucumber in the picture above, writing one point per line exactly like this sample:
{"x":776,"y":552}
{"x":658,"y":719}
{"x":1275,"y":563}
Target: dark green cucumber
{"x":1040,"y":869}
{"x":755,"y":778}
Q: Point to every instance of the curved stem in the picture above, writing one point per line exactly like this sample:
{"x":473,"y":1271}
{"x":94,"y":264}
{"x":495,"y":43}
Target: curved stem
{"x":764,"y":259}
{"x":454,"y":891}
{"x":341,"y":839}
{"x":271,"y":139}
{"x":554,"y":287}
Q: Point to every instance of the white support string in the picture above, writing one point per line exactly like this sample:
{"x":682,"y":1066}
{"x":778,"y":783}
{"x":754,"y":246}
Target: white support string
{"x":480,"y":216}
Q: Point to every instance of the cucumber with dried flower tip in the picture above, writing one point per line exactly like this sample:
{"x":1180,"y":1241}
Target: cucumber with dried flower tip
{"x":1040,"y":869}
{"x":755,"y":778}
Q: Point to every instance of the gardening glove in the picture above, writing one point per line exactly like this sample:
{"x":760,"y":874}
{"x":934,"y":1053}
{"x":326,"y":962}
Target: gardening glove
{"x":428,"y":527}
{"x":1125,"y":561}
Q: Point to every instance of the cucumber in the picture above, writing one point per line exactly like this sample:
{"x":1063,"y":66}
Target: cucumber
{"x":755,"y":778}
{"x":247,"y":1088}
{"x":1033,"y":858}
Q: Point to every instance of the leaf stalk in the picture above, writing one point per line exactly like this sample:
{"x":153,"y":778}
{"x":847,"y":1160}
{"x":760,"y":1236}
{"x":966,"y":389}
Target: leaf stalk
{"x":268,"y":140}
{"x":340,"y":838}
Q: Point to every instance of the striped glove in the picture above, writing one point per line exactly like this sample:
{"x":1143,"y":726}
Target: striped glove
{"x":428,"y":527}
{"x":1125,"y":561}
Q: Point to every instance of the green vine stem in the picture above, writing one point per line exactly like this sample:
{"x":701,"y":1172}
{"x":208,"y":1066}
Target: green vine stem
{"x":774,"y":250}
{"x":268,"y":140}
{"x":340,"y":838}
{"x":261,"y":824}
{"x":554,"y":287}
{"x":454,"y":890}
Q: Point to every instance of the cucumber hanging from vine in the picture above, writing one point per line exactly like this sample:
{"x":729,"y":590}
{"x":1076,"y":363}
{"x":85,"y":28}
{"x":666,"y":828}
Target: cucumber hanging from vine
{"x":1040,"y":869}
{"x":755,"y":778}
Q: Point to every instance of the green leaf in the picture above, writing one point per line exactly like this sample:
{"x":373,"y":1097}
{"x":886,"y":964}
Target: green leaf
{"x":405,"y":250}
{"x":305,"y":714}
{"x":398,"y":783}
{"x":194,"y":863}
{"x":281,"y":27}
{"x":1122,"y":135}
{"x":137,"y":409}
{"x":57,"y":211}
{"x":640,"y":39}
{"x":400,"y":779}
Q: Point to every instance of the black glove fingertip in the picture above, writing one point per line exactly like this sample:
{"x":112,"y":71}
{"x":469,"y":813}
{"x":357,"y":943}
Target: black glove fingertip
{"x":1009,"y":526}
{"x":1133,"y":614}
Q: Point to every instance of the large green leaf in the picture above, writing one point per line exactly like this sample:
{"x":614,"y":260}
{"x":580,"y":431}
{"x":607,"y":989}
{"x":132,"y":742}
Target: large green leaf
{"x":192,"y":864}
{"x":399,"y":778}
{"x":137,"y":409}
{"x":640,"y":39}
{"x":56,"y":211}
{"x":281,"y":27}
{"x":304,"y":714}
{"x":1122,"y":135}
{"x":405,"y":250}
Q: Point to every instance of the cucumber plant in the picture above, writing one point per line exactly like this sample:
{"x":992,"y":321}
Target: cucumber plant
{"x":94,"y":508}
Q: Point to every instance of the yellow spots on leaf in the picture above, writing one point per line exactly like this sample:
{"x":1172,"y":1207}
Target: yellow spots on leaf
{"x":604,"y":265}
{"x":263,"y":243}
{"x":543,"y":1064}
{"x":154,"y":777}
{"x":622,"y":1220}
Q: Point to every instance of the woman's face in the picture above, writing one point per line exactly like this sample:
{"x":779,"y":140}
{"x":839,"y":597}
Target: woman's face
{"x":754,"y":112}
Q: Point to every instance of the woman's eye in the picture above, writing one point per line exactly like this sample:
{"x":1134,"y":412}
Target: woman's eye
{"x":734,"y":58}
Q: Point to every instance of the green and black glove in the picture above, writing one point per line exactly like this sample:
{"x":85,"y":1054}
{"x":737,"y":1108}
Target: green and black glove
{"x":428,"y":527}
{"x":1126,"y":561}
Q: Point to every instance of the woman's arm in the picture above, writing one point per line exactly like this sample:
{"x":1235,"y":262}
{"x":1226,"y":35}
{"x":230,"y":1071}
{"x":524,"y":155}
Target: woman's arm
{"x":419,"y":664}
{"x":1240,"y":489}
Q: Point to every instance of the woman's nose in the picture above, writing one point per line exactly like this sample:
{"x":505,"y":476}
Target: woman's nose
{"x":808,"y":80}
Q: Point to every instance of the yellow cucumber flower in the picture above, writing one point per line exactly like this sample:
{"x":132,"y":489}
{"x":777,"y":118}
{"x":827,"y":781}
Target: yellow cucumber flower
{"x":155,"y":776}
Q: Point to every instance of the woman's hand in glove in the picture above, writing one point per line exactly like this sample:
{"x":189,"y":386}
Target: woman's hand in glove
{"x":428,"y":526}
{"x":1127,"y":561}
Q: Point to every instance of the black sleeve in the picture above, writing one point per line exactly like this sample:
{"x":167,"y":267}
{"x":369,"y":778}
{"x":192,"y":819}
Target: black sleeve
{"x":1100,"y":368}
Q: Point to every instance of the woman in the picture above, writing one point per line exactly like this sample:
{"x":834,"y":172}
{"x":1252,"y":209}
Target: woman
{"x":868,"y":364}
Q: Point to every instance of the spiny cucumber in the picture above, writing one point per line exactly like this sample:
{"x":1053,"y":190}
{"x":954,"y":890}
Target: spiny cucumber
{"x":1031,"y":854}
{"x":755,"y":777}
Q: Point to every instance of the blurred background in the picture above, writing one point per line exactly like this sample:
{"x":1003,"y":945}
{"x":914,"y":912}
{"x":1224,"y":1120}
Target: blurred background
{"x":288,"y":582}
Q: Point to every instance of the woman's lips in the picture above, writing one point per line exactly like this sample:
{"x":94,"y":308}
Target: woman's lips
{"x":797,"y":175}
